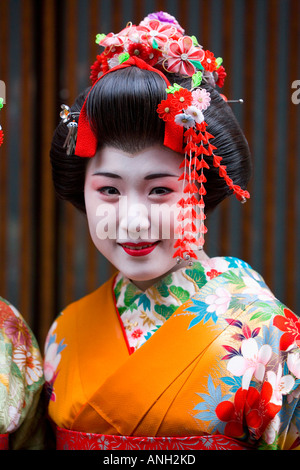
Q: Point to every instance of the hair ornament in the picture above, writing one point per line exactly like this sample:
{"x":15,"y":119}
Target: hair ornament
{"x":1,"y":130}
{"x":159,"y":44}
{"x":69,"y":118}
{"x":185,"y":108}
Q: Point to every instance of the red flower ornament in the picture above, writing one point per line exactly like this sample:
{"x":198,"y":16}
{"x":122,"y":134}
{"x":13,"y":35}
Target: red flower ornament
{"x":167,"y":110}
{"x":209,"y":62}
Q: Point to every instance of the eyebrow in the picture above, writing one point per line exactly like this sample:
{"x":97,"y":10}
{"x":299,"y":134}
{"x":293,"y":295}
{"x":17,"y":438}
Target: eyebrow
{"x":148,"y":177}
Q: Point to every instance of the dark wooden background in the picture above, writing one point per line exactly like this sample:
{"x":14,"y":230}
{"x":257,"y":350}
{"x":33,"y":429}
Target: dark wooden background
{"x":46,"y":48}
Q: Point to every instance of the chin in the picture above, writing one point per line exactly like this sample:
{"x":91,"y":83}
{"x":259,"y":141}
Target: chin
{"x":141,"y":272}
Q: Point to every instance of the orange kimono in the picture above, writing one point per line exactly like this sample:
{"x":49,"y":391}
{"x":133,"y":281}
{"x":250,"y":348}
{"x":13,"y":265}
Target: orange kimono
{"x":217,"y":367}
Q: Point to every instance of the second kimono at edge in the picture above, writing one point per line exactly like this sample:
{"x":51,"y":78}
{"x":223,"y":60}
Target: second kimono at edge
{"x":206,"y":358}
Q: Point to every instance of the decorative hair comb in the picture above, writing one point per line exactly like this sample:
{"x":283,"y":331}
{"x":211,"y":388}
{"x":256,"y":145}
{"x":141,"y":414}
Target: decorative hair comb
{"x":1,"y":131}
{"x":159,"y":44}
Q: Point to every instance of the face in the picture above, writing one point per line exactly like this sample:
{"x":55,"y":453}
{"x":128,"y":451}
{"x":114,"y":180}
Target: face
{"x":131,"y":208}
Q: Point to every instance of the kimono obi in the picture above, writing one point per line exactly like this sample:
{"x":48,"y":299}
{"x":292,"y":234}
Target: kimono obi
{"x":74,"y":440}
{"x":3,"y":441}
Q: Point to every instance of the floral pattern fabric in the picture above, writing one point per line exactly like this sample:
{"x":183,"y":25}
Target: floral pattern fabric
{"x":252,"y":390}
{"x":142,"y":313}
{"x":21,"y":369}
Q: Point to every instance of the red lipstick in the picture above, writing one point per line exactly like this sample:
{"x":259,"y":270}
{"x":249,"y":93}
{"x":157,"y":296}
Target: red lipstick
{"x":139,"y":249}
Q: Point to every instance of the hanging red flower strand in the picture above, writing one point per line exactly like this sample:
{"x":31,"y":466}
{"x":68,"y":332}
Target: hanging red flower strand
{"x":198,"y":156}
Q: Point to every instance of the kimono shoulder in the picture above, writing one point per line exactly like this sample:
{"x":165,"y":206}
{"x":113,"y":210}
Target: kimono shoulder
{"x":83,"y":343}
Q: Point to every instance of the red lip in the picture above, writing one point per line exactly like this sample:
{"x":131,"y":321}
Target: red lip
{"x":141,"y":251}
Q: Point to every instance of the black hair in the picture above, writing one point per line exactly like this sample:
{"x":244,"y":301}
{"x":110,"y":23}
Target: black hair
{"x":121,"y":109}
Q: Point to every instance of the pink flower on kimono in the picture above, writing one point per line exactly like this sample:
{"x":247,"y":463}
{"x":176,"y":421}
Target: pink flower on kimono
{"x":219,"y":301}
{"x":17,"y":331}
{"x":155,"y":30}
{"x":252,"y":361}
{"x":293,"y":362}
{"x":282,"y":385}
{"x":181,"y":53}
{"x":272,"y":430}
{"x":14,"y":415}
{"x":254,"y":288}
{"x":52,"y":359}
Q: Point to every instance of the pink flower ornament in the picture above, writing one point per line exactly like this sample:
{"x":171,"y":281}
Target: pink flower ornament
{"x":182,"y":54}
{"x":201,"y":98}
{"x":155,"y":31}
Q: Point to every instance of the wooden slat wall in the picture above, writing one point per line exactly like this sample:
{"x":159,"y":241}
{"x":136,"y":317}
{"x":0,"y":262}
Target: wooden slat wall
{"x":46,"y":48}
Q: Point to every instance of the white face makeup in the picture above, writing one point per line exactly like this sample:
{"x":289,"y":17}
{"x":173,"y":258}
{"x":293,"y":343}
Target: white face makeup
{"x":122,"y":195}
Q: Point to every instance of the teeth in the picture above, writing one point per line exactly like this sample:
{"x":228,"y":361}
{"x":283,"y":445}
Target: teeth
{"x":138,"y":247}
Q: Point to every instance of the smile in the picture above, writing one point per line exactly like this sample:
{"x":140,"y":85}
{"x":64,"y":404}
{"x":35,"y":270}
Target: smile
{"x":139,"y":249}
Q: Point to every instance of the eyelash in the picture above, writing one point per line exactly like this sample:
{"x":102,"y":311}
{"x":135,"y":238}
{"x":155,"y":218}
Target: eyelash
{"x":106,"y":188}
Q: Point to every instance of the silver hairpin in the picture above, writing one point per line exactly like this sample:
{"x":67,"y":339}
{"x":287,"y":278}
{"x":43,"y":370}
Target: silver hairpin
{"x":235,"y":101}
{"x":69,"y":117}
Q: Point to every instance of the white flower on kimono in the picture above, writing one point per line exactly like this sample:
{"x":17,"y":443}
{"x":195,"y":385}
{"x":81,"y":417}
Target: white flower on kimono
{"x":52,"y":359}
{"x":293,"y":362}
{"x":254,"y":288}
{"x":281,"y":385}
{"x":219,"y":301}
{"x":252,"y":361}
{"x":14,"y":415}
{"x":272,"y":430}
{"x":30,"y":364}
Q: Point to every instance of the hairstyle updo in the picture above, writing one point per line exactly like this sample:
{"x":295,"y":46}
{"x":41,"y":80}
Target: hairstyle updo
{"x":121,"y":108}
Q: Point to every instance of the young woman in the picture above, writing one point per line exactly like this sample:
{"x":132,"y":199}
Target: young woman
{"x":176,"y":350}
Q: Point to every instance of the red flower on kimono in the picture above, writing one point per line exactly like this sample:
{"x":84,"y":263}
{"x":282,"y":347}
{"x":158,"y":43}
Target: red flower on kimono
{"x":259,"y":411}
{"x":251,"y":409}
{"x":233,"y":414}
{"x":181,"y":54}
{"x":290,"y":325}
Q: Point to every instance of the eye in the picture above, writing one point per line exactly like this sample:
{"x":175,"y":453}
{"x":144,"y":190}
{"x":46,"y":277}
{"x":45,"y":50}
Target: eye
{"x":161,"y":191}
{"x":108,"y":191}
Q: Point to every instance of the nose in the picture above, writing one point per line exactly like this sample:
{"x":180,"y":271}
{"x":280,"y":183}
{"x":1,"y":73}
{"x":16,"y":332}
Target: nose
{"x":134,"y":220}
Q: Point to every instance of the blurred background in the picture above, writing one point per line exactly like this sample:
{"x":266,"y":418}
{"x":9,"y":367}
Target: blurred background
{"x":46,"y":48}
